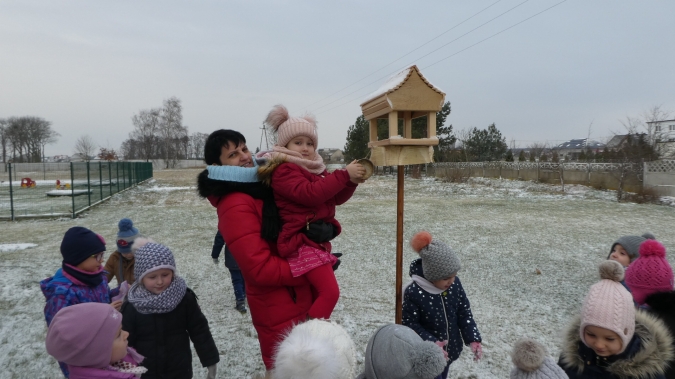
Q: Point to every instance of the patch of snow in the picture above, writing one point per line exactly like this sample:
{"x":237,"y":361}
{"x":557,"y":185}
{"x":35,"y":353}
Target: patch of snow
{"x":5,"y":247}
{"x":167,"y":189}
{"x":391,"y":83}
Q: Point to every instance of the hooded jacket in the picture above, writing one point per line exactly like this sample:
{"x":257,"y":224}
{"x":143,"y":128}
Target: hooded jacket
{"x":276,"y":299}
{"x":646,"y":356}
{"x":303,"y":197}
{"x":61,"y":292}
{"x":439,"y":317}
{"x":113,"y":269}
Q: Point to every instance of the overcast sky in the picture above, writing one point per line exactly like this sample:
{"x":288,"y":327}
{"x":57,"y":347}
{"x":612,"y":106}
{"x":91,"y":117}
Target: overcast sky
{"x":89,"y":66}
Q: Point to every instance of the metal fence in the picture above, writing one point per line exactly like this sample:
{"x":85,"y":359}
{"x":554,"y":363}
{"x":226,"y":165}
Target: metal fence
{"x":30,"y":190}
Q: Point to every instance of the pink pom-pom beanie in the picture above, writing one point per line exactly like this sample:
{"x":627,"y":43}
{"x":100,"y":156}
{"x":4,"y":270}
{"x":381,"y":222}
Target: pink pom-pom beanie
{"x":609,"y":305}
{"x":82,"y":335}
{"x":288,"y":127}
{"x":650,"y":273}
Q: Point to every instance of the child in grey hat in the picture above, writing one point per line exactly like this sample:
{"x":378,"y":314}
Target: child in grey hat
{"x":435,"y":305}
{"x":626,"y":249}
{"x":397,"y":352}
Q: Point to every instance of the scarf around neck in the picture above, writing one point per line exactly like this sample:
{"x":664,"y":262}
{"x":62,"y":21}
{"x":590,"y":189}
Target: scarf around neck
{"x":219,"y":181}
{"x":91,"y":279}
{"x":147,"y":302}
{"x":315,"y":166}
{"x":425,"y":285}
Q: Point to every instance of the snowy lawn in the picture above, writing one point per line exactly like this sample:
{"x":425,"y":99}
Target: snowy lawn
{"x":502,"y":230}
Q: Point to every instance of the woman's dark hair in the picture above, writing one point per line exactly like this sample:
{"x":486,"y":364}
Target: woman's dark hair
{"x":218,"y":139}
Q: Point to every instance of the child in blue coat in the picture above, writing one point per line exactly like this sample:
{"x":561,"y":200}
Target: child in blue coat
{"x":435,"y":304}
{"x":80,"y":279}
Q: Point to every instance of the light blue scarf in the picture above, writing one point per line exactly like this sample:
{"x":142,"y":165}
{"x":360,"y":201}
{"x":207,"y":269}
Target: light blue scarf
{"x":234,"y":173}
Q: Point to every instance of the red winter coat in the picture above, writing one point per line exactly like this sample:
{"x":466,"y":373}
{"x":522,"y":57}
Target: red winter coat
{"x":304,"y":197}
{"x":277,"y":300}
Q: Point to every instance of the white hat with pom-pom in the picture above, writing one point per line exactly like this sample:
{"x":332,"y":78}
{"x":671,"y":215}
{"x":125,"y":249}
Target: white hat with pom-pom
{"x":532,"y":362}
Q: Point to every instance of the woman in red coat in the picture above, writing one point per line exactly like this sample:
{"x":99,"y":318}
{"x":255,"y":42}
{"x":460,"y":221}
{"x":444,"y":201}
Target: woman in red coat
{"x":249,"y":222}
{"x":306,"y":195}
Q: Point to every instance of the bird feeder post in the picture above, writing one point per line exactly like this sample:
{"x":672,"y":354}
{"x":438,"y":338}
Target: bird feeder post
{"x":409,"y":95}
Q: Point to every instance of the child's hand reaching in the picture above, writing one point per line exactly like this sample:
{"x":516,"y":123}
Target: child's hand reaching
{"x":477,"y":349}
{"x":442,"y":344}
{"x":117,"y":304}
{"x":356,"y":172}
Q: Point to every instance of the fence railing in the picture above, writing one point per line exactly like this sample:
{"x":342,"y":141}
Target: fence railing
{"x":29,"y":190}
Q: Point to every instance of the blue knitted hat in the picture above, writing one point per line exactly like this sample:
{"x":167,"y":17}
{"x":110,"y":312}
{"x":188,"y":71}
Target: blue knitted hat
{"x":79,"y":244}
{"x":126,"y":235}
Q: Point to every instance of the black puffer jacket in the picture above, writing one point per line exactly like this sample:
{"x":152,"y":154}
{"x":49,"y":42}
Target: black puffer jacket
{"x":164,"y":338}
{"x":662,"y":305}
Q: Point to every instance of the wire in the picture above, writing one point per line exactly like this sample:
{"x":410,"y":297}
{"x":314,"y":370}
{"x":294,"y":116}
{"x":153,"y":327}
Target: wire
{"x":450,"y":56}
{"x":403,"y":56}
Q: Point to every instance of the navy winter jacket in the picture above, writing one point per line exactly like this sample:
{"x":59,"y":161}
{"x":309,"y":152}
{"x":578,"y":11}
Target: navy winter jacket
{"x":440,"y":317}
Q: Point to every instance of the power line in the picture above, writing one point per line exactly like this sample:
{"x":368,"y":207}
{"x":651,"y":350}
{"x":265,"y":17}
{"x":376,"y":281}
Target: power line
{"x":450,"y":56}
{"x":405,"y":55}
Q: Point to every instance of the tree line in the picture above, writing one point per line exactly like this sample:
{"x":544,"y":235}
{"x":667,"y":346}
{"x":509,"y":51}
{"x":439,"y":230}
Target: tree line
{"x":23,"y":139}
{"x":159,"y":133}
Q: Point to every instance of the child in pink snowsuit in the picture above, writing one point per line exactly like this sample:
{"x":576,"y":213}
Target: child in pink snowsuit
{"x":306,"y":195}
{"x":88,"y":337}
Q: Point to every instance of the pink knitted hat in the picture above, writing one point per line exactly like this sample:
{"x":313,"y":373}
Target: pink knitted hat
{"x":82,"y":335}
{"x":288,"y":127}
{"x":650,"y":273}
{"x":609,"y":305}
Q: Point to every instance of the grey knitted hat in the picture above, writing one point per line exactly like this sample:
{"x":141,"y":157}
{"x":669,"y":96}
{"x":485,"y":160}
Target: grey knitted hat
{"x":397,"y":352}
{"x":631,"y":244}
{"x":438,"y":259}
{"x":532,"y":362}
{"x":151,"y":256}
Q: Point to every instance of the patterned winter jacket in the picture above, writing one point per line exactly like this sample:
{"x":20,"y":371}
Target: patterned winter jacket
{"x":439,"y":317}
{"x":646,"y":356}
{"x":61,"y":292}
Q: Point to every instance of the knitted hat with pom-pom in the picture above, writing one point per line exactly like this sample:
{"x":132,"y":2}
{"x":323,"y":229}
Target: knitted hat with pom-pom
{"x":438,"y":259}
{"x":631,"y":244}
{"x":151,"y":256}
{"x":650,"y":273}
{"x":288,"y":127}
{"x":532,"y":362}
{"x":317,"y":349}
{"x":609,"y":305}
{"x":126,"y":235}
{"x":397,"y":352}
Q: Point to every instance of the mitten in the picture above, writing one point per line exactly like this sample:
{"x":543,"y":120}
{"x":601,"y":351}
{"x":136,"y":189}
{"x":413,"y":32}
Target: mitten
{"x":211,"y":373}
{"x":477,"y":349}
{"x":336,"y":264}
{"x":442,"y":344}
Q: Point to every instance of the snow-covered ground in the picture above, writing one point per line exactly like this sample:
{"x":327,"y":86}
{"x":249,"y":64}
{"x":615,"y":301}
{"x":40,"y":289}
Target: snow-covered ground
{"x":503,"y":231}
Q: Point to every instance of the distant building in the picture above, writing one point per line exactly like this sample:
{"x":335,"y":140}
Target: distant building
{"x":664,"y":133}
{"x":570,"y":150}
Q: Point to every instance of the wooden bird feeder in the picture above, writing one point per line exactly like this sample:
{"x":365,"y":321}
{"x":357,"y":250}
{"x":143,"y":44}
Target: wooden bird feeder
{"x":407,"y":95}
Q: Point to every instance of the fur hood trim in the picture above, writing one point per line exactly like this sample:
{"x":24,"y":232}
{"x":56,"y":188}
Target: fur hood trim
{"x":265,"y":171}
{"x":651,"y":360}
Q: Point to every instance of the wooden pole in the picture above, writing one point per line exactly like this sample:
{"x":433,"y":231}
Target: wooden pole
{"x":399,"y":245}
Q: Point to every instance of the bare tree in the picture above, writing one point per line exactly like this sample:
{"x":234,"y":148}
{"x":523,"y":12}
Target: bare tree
{"x":27,"y":137}
{"x":4,"y":140}
{"x":85,"y":147}
{"x":144,"y":135}
{"x":171,"y":131}
{"x":196,"y":145}
{"x":537,"y":149}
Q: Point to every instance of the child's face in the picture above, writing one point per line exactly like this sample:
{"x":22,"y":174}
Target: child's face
{"x":444,"y":284}
{"x":128,"y":256}
{"x":158,"y":281}
{"x":620,"y":255}
{"x":232,"y":155}
{"x":303,"y":145}
{"x":603,"y":341}
{"x":120,"y":344}
{"x":92,"y":264}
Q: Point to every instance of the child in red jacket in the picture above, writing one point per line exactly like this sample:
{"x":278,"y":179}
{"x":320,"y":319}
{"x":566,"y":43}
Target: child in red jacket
{"x":306,"y":195}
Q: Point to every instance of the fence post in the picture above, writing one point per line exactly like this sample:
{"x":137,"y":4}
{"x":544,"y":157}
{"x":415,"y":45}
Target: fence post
{"x":110,"y":178}
{"x":117,"y":178}
{"x":72,"y":186}
{"x":88,"y":184}
{"x":11,"y":193}
{"x":100,"y":179}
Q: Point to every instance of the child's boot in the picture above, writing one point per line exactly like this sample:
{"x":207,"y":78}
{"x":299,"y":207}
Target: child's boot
{"x":241,"y":306}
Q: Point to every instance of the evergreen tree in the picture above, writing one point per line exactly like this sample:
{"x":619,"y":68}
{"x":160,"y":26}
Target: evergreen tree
{"x":358,"y":136}
{"x":582,"y":156}
{"x":486,"y":144}
{"x":509,"y":156}
{"x":521,"y":156}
